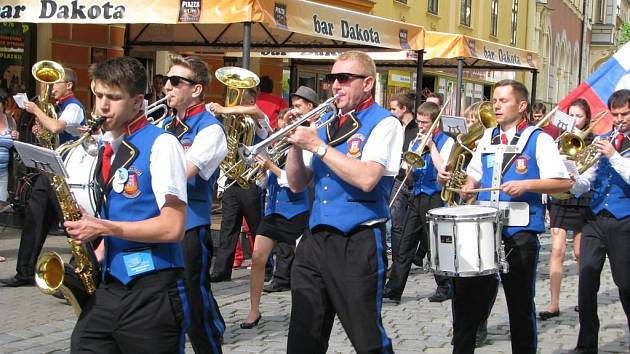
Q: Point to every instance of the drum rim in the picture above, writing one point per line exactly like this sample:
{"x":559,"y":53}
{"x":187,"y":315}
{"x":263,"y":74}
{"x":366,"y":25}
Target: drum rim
{"x":487,"y":213}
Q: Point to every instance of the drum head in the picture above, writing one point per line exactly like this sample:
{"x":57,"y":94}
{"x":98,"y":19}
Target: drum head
{"x":463,"y":211}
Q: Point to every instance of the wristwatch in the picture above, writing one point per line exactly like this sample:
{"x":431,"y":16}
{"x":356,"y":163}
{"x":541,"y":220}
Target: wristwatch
{"x":321,"y":150}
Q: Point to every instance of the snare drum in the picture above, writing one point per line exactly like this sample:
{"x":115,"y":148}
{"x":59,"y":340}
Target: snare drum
{"x":80,"y":165}
{"x":464,"y":241}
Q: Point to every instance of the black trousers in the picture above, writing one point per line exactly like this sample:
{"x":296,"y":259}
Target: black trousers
{"x":236,"y":203}
{"x":399,"y":212}
{"x":285,"y":254}
{"x":414,"y":239}
{"x":473,"y":295}
{"x":42,"y":212}
{"x":206,"y":323}
{"x":602,"y":236}
{"x":149,"y":315}
{"x":344,"y":275}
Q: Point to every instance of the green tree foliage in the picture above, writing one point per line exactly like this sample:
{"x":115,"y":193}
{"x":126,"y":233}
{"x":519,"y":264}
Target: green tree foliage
{"x":624,"y":34}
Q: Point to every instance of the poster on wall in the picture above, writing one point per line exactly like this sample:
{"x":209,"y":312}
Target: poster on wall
{"x":15,"y":60}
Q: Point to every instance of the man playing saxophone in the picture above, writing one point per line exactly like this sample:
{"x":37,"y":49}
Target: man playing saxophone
{"x":203,"y":140}
{"x":607,"y":233}
{"x":140,"y":305}
{"x":42,"y":209}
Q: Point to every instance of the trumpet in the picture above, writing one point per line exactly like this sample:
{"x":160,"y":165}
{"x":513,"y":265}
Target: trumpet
{"x":248,"y":153}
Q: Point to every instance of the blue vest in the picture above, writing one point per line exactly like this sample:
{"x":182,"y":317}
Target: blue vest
{"x":339,"y":204}
{"x":425,"y":178}
{"x":136,"y":203}
{"x":523,"y":167}
{"x":64,"y":136}
{"x":199,"y":190}
{"x":610,"y":191}
{"x":280,"y":200}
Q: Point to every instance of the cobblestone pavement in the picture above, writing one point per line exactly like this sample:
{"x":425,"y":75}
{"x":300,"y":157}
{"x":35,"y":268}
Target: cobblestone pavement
{"x":36,"y":323}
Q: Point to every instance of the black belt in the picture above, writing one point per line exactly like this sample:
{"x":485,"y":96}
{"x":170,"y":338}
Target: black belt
{"x":605,"y":213}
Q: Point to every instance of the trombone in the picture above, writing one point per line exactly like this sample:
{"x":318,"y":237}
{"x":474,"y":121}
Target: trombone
{"x":159,"y":104}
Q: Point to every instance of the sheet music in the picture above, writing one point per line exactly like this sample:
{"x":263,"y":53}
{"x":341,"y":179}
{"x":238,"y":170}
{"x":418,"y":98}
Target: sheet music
{"x":40,"y":158}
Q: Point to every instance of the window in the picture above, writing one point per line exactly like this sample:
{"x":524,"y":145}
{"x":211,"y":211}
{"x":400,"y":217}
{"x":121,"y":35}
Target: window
{"x":514,"y":20}
{"x":402,"y":1}
{"x":432,"y":6}
{"x":464,"y":16}
{"x":494,"y":17}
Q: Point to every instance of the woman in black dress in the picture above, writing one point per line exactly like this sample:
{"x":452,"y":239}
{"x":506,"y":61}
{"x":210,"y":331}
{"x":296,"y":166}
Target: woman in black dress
{"x":565,"y":215}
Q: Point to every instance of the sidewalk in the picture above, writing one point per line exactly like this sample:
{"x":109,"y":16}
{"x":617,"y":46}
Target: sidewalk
{"x":36,"y":323}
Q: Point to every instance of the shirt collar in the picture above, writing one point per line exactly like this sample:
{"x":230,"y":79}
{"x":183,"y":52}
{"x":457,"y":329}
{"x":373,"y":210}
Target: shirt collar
{"x":137,"y":123}
{"x":192,"y":110}
{"x":65,"y":98}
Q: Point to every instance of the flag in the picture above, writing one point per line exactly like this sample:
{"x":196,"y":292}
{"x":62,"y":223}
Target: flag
{"x":613,"y":75}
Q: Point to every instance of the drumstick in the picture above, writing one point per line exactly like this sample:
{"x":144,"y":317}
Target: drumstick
{"x":477,"y":190}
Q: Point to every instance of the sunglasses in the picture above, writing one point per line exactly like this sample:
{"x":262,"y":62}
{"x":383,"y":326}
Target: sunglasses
{"x":175,"y":80}
{"x":343,"y":77}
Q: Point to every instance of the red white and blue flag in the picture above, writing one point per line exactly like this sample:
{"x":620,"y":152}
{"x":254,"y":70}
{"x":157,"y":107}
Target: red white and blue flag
{"x":613,"y":75}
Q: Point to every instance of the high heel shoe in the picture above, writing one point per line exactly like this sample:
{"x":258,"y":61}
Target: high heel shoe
{"x":250,"y":325}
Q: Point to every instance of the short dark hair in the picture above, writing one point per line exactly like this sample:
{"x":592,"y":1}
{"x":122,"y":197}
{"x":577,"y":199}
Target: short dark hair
{"x":126,"y":73}
{"x":520,"y":91}
{"x":429,"y":109}
{"x":439,"y":96}
{"x":539,"y":107}
{"x":199,"y":68}
{"x":70,"y":76}
{"x":250,"y":93}
{"x":266,"y":84}
{"x":405,"y":100}
{"x":619,"y":99}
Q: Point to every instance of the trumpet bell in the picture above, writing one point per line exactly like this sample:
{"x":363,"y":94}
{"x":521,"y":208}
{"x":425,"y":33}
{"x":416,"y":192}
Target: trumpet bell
{"x":413,"y":159}
{"x":571,"y":145}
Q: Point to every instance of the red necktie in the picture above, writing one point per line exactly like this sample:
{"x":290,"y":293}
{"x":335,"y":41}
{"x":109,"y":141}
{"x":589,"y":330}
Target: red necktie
{"x":618,"y":141}
{"x":108,"y":151}
{"x":342,"y":120}
{"x":504,"y":140}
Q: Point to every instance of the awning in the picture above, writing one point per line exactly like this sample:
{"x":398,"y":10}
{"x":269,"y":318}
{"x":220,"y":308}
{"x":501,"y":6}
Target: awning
{"x":202,"y":25}
{"x":444,"y":49}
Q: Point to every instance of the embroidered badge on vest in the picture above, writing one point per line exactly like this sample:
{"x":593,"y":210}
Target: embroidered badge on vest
{"x":521,"y":164}
{"x":186,"y":143}
{"x":354,"y":145}
{"x":131,"y":189}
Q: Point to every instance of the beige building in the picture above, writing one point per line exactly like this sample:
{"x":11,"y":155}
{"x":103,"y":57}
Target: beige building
{"x":607,"y":16}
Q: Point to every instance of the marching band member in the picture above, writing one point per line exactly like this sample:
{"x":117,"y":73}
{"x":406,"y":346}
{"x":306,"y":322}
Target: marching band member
{"x":42,"y":211}
{"x":238,"y":202}
{"x":401,"y":107}
{"x":539,"y":110}
{"x":564,"y":215}
{"x":608,"y":232}
{"x":340,"y":267}
{"x":205,"y":145}
{"x":537,"y":169}
{"x":426,"y":196}
{"x":286,"y":218}
{"x":140,"y":305}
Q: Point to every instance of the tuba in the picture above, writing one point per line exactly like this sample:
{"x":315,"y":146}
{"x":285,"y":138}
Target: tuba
{"x":47,"y":72}
{"x":240,"y":129}
{"x":463,"y":150}
{"x":76,"y":282}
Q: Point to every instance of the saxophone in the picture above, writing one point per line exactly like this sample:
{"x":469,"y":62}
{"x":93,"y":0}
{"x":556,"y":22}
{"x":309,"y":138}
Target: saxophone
{"x":47,"y":72}
{"x":76,"y":282}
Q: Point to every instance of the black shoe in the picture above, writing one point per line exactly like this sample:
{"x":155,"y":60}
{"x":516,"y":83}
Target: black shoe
{"x":419,"y":262}
{"x":275,"y":288}
{"x":440,"y":295}
{"x":388,"y":294}
{"x":15,"y":282}
{"x":545,"y":315}
{"x":481,"y":338}
{"x":217,"y":278}
{"x":250,"y":325}
{"x":576,"y":308}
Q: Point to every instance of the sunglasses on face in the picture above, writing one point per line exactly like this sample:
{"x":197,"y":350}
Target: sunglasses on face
{"x":175,"y":80}
{"x":343,"y":77}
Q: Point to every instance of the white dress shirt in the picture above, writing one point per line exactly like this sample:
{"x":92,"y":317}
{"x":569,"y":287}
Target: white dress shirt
{"x":73,"y":115}
{"x":208,"y":150}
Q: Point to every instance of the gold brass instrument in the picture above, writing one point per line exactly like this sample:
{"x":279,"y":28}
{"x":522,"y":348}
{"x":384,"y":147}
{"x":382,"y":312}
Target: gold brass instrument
{"x":76,"y":282}
{"x":589,"y":156}
{"x":462,"y":151}
{"x":572,"y":144}
{"x":47,"y":72}
{"x":240,"y":129}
